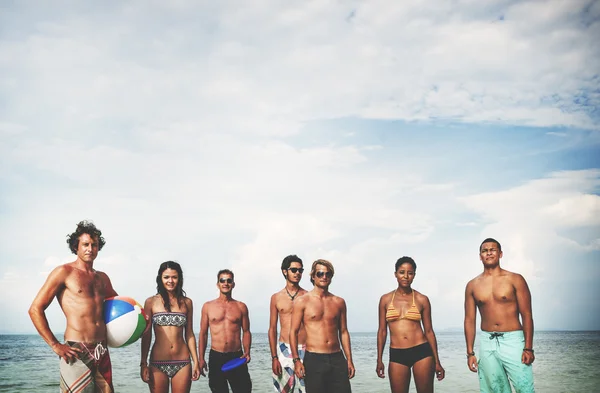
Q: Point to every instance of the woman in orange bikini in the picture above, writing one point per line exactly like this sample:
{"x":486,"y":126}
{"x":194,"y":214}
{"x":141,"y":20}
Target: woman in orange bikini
{"x":413,"y":346}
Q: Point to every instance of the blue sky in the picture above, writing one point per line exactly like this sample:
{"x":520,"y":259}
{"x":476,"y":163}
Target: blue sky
{"x":231,"y":134}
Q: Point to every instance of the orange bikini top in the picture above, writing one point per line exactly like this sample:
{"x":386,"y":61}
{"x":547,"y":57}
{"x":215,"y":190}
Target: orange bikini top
{"x":412,"y":314}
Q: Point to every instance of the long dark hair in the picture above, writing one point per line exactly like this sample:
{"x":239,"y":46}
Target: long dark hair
{"x":160,"y":288}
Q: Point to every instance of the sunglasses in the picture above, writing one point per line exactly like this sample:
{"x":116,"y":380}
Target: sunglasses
{"x":296,"y":269}
{"x":321,"y":273}
{"x":225,"y":280}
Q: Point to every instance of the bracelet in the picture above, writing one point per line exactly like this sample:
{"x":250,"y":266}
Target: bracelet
{"x":295,"y":360}
{"x":274,"y":357}
{"x":143,"y":364}
{"x":469,"y":354}
{"x":528,"y":350}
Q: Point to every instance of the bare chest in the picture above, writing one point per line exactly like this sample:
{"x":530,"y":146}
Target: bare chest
{"x":326,"y":311}
{"x":494,"y":291}
{"x":82,"y":285}
{"x":228,"y":314}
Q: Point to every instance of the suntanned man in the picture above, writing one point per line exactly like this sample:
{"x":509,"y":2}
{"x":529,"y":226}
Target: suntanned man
{"x":80,"y":290}
{"x":230,"y":338}
{"x":325,"y":369}
{"x":282,"y":302}
{"x":506,"y":344}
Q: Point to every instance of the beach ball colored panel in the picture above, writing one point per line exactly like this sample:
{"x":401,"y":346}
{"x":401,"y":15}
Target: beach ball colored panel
{"x":125,"y":321}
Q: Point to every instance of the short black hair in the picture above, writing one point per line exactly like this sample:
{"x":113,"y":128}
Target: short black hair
{"x":287,"y":261}
{"x":224,"y":271}
{"x":490,"y":240}
{"x":84,"y":227}
{"x":406,"y":259}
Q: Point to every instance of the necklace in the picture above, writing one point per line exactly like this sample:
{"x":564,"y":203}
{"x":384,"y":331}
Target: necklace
{"x":290,"y":295}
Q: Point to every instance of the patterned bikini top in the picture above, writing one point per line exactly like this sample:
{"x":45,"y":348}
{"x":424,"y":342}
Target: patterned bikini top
{"x":169,"y":319}
{"x":412,"y":314}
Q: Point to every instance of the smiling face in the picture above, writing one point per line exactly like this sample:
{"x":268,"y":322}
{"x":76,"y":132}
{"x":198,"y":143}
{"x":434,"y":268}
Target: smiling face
{"x":170,"y":279}
{"x":87,"y":249}
{"x":490,"y":254}
{"x":405,"y":275}
{"x":225,"y":283}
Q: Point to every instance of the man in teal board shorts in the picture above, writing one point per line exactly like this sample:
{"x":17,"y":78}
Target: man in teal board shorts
{"x":506,"y":345}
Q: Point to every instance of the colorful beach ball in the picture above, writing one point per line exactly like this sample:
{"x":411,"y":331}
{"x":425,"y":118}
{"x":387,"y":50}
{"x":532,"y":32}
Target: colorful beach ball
{"x":125,"y":321}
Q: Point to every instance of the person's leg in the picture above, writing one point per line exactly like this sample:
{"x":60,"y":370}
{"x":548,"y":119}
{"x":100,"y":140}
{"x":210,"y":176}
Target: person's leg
{"x":216,"y":378}
{"x":511,"y":350}
{"x":239,"y":379}
{"x":159,"y":381}
{"x":339,"y":381}
{"x":316,"y":369}
{"x":423,"y":368}
{"x":181,"y":382}
{"x":399,"y":370}
{"x":287,"y":381}
{"x":492,"y":377}
{"x":87,"y":374}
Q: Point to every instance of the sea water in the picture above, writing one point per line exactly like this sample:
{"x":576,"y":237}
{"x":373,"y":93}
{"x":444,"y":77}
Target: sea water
{"x":566,"y":362}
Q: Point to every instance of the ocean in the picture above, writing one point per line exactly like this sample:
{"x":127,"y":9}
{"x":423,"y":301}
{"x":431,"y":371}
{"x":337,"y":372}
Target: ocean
{"x":566,"y":362}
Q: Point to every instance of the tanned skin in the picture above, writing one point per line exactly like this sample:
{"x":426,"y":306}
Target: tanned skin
{"x":225,"y":317}
{"x":281,"y":308}
{"x":324,"y":317}
{"x":501,"y":297}
{"x":169,"y":343}
{"x":80,"y":291}
{"x":405,"y":333}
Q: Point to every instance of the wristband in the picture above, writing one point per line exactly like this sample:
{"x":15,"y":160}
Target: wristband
{"x":296,"y":360}
{"x":274,"y":357}
{"x":469,"y":354}
{"x":528,"y":350}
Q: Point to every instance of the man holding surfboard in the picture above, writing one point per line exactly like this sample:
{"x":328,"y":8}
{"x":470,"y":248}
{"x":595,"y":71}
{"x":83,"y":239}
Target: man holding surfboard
{"x":323,"y":315}
{"x":230,"y":337}
{"x":282,"y":303}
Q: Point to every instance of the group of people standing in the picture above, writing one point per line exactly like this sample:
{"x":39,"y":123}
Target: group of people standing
{"x":312,"y":352}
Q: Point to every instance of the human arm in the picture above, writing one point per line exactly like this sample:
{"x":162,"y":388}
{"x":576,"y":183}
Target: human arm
{"x":109,"y":291}
{"x":146,"y":340}
{"x":190,"y":338}
{"x":55,"y":283}
{"x":246,"y":335}
{"x":297,"y":317}
{"x":430,"y":335}
{"x":203,"y":339}
{"x":524,"y":306}
{"x":381,"y":338}
{"x":345,"y":339}
{"x":469,"y":326}
{"x":273,"y":317}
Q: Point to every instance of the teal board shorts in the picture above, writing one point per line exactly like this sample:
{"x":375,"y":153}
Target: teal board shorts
{"x":500,"y":361}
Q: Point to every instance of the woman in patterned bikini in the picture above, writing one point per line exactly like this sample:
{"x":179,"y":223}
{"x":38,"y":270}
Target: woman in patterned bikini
{"x":171,"y":313}
{"x":412,"y":347}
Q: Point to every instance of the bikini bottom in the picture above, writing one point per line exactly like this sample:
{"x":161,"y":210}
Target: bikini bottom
{"x":169,"y":367}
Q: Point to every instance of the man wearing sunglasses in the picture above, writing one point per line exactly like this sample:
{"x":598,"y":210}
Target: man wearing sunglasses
{"x":325,"y":368}
{"x":230,"y":337}
{"x":282,"y":303}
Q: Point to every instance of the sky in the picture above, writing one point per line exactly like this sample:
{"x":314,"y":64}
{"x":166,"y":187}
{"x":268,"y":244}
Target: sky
{"x":229,"y":134}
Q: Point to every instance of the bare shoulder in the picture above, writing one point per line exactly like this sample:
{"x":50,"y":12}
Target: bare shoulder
{"x":188,"y":302}
{"x":386,"y":297}
{"x":242,"y":306}
{"x":515,"y":278}
{"x":420,"y":297}
{"x":338,"y":300}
